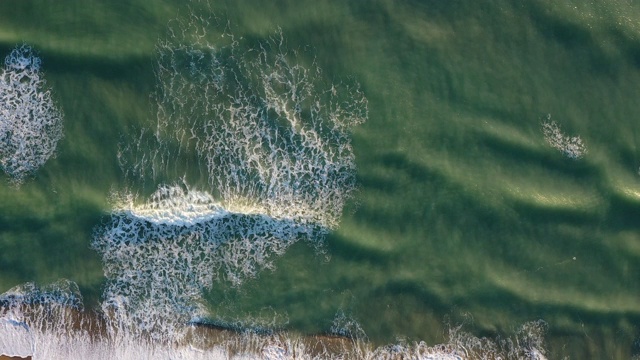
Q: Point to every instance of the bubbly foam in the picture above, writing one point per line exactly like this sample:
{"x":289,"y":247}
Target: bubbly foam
{"x":344,"y":325}
{"x":276,"y":151}
{"x":62,"y":292}
{"x":571,"y":146}
{"x":172,"y":205}
{"x":15,"y":337}
{"x":157,"y":265}
{"x":48,"y":323}
{"x":268,"y":136}
{"x":30,"y":123}
{"x":52,"y":329}
{"x":19,"y":331}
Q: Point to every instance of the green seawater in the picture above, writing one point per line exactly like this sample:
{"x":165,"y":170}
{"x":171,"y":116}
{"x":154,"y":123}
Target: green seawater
{"x":464,"y":214}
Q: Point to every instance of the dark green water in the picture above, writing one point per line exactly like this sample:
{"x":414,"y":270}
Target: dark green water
{"x":465,"y":214}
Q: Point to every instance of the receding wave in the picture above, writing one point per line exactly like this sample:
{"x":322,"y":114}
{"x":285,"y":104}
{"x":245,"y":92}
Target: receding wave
{"x":49,"y":323}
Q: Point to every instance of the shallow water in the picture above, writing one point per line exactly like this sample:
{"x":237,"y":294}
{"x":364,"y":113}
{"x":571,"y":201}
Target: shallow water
{"x":467,"y":212}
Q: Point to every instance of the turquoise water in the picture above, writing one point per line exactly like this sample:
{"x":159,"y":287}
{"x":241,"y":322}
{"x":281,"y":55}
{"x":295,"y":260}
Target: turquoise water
{"x":464,"y":214}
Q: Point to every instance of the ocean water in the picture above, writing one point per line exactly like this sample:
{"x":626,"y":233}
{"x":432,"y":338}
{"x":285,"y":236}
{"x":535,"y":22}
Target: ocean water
{"x":401,"y":174}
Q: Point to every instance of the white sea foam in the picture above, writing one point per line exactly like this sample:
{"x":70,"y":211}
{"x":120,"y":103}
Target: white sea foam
{"x":157,"y":266}
{"x":62,"y":292}
{"x":30,"y":123}
{"x":344,"y":325}
{"x":571,"y":146}
{"x":172,"y":205}
{"x":46,"y":323}
{"x":266,"y":132}
{"x":15,"y":337}
{"x":19,"y":336}
{"x":275,"y":147}
{"x":42,"y":324}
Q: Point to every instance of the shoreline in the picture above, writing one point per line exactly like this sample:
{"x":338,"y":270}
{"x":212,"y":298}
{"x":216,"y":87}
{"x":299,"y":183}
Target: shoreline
{"x":59,"y":331}
{"x":59,"y":320}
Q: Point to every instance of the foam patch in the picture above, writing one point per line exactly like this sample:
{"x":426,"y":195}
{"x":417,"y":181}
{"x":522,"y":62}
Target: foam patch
{"x":30,"y":123}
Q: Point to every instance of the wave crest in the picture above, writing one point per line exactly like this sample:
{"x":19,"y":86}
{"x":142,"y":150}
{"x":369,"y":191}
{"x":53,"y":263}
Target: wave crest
{"x":157,"y":265}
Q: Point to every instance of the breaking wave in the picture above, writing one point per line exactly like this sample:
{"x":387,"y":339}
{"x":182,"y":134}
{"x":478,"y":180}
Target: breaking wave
{"x":30,"y":123}
{"x":275,"y":148}
{"x":269,"y":137}
{"x":158,"y":257}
